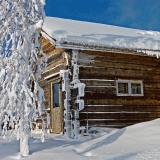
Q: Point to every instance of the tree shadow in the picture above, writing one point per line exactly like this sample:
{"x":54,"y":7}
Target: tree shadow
{"x":110,"y":139}
{"x":8,"y":148}
{"x":35,"y":144}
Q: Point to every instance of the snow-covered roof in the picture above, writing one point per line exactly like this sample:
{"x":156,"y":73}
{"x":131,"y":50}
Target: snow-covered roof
{"x":66,"y":31}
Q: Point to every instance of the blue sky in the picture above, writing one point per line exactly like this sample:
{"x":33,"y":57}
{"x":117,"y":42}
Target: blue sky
{"x":141,"y":14}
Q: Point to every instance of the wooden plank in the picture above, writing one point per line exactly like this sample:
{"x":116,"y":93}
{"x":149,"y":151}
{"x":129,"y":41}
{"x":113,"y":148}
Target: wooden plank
{"x":121,"y":108}
{"x":107,"y":96}
{"x":113,"y":121}
{"x":151,"y":85}
{"x":48,"y":45}
{"x":110,"y":94}
{"x":100,"y":95}
{"x":54,"y":52}
{"x":126,"y":56}
{"x":118,"y":72}
{"x":54,"y":70}
{"x":113,"y":115}
{"x":55,"y":57}
{"x":151,"y":90}
{"x":45,"y":43}
{"x":49,"y":49}
{"x":107,"y":89}
{"x":56,"y":120}
{"x":56,"y":113}
{"x":111,"y":76}
{"x":98,"y":82}
{"x":120,"y":101}
{"x":123,"y":65}
{"x":55,"y":63}
{"x":117,"y":123}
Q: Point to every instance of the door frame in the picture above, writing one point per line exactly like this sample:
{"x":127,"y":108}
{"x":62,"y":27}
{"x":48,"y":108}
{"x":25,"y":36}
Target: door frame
{"x":56,"y":114}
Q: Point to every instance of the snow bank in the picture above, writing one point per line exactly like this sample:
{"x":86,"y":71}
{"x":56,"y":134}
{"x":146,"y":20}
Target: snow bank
{"x":137,"y":142}
{"x":86,"y":33}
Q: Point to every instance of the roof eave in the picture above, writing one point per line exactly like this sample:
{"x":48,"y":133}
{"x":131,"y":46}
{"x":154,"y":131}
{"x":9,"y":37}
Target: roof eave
{"x":78,"y":46}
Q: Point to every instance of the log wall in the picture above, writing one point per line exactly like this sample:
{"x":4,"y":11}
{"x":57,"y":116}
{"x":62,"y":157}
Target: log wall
{"x":56,"y":62}
{"x":102,"y":106}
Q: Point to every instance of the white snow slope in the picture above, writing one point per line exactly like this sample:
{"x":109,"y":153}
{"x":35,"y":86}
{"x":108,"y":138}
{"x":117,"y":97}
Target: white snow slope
{"x":137,"y":142}
{"x":71,"y":31}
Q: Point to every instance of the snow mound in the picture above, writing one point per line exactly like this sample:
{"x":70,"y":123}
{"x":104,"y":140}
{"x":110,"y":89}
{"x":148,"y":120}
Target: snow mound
{"x":137,"y":142}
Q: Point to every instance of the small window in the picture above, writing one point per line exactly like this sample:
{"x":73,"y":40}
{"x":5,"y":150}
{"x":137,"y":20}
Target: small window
{"x":123,"y":88}
{"x":129,"y":88}
{"x":136,"y":88}
{"x":55,"y":95}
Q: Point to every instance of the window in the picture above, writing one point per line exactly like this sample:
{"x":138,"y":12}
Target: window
{"x":55,"y":95}
{"x":129,"y":88}
{"x":123,"y":88}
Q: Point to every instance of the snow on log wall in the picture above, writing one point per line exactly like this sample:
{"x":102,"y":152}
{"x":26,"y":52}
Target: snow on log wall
{"x":72,"y":102}
{"x":102,"y":107}
{"x":67,"y":112}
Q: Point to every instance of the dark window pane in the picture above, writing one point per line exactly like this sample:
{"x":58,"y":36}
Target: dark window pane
{"x":135,"y":88}
{"x":55,"y":95}
{"x":123,"y":88}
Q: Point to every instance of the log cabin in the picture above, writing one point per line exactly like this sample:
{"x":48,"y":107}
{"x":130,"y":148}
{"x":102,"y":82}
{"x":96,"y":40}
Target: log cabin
{"x":99,"y":75}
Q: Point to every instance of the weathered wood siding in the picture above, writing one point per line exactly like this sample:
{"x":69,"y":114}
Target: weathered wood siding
{"x":102,"y":107}
{"x":56,"y":62}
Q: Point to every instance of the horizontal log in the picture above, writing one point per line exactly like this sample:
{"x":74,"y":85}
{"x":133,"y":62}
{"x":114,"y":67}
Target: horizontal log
{"x":99,"y":95}
{"x":151,"y":90}
{"x":131,"y":56}
{"x":120,"y":115}
{"x":104,"y":56}
{"x":54,"y":55}
{"x":120,"y":101}
{"x":124,"y":61}
{"x":46,"y":46}
{"x":121,"y":108}
{"x":49,"y":49}
{"x":44,"y":41}
{"x":151,"y":85}
{"x":53,"y":71}
{"x":112,"y":123}
{"x":111,"y":76}
{"x":103,"y":97}
{"x":107,"y":89}
{"x":118,"y":72}
{"x":122,"y":65}
{"x":98,"y":82}
{"x":56,"y":63}
{"x":110,"y":94}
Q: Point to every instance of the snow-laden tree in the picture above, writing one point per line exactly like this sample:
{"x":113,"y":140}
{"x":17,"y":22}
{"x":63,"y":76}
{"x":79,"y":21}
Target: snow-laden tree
{"x":21,"y":64}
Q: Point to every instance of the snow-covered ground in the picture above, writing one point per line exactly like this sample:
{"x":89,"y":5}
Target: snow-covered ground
{"x":137,"y":142}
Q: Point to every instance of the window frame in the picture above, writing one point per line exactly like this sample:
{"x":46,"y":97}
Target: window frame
{"x":129,"y":87}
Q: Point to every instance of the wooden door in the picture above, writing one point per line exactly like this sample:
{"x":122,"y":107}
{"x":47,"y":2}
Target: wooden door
{"x":56,"y":108}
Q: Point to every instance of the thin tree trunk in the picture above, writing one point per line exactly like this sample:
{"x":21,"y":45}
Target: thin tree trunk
{"x":24,"y":137}
{"x":24,"y":149}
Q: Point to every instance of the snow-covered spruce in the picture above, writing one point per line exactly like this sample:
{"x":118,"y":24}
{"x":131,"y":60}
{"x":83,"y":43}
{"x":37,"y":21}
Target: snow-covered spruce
{"x":21,"y":99}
